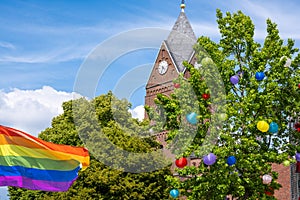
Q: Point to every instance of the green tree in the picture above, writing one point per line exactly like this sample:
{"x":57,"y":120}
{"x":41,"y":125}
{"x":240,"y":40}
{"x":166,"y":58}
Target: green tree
{"x":99,"y":181}
{"x":229,"y":120}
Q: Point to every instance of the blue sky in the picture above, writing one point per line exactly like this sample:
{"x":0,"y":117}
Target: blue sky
{"x":44,"y":43}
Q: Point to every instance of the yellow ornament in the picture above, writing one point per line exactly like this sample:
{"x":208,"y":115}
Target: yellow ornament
{"x":263,"y":126}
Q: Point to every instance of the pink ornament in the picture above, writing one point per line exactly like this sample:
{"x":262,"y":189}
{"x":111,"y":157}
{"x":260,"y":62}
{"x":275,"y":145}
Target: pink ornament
{"x":176,"y":85}
{"x":267,"y":179}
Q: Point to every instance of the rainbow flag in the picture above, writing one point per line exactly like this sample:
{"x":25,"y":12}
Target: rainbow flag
{"x":29,"y":162}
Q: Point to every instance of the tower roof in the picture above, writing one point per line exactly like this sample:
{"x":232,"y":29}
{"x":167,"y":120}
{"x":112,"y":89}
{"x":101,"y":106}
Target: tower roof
{"x":181,"y":40}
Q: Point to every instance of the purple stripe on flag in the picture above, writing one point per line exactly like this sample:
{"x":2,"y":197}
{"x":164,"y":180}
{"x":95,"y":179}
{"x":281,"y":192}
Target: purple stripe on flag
{"x":23,"y":182}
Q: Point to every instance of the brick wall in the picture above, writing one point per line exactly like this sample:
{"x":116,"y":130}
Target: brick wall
{"x":160,"y":83}
{"x":284,"y":178}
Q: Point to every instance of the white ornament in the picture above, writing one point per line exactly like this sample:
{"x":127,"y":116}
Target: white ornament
{"x":197,"y":65}
{"x":288,"y":61}
{"x":151,"y":131}
{"x":267,"y":179}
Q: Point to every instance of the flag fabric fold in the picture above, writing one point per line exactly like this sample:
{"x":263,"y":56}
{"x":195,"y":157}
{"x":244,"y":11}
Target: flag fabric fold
{"x":29,"y":162}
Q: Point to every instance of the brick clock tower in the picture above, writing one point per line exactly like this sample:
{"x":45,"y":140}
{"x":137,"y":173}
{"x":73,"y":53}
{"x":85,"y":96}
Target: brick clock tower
{"x":178,"y":47}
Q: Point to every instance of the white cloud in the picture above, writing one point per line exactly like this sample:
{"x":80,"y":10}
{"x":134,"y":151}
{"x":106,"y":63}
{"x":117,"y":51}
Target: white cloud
{"x":31,"y":110}
{"x":206,"y":29}
{"x":7,"y":45}
{"x":138,"y":112}
{"x":3,"y":193}
{"x":285,"y":15}
{"x":59,"y":54}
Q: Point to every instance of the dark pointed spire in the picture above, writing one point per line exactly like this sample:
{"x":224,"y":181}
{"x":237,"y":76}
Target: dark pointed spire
{"x":181,"y":39}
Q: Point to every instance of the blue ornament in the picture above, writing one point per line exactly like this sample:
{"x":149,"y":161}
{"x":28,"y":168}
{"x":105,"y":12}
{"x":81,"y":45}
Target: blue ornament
{"x":259,"y":76}
{"x":174,"y":193}
{"x":192,"y":118}
{"x":273,"y":127}
{"x":231,"y":160}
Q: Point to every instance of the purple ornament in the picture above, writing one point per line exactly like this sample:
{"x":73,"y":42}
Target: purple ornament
{"x":234,"y":79}
{"x":240,"y":73}
{"x":298,"y":156}
{"x":209,"y":159}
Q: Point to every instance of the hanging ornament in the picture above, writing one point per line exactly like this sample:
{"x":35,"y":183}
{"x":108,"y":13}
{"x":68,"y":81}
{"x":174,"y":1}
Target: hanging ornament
{"x":263,"y":126}
{"x":299,"y":85}
{"x":222,"y":116}
{"x":288,"y":61}
{"x":231,"y":160}
{"x":286,"y":163}
{"x":181,"y":162}
{"x":234,"y":79}
{"x":298,"y":156}
{"x":267,"y":179}
{"x":297,"y":126}
{"x":209,"y":159}
{"x":298,"y":167}
{"x":259,"y":76}
{"x":176,"y":85}
{"x":205,"y":96}
{"x":174,"y":193}
{"x":207,"y":61}
{"x":151,"y":131}
{"x":197,"y":65}
{"x":240,"y":73}
{"x":273,"y":127}
{"x":270,"y":191}
{"x":259,"y":138}
{"x":192,"y":118}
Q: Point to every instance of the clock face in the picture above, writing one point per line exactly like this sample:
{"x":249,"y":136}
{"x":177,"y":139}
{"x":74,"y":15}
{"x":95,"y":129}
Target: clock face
{"x":162,"y":67}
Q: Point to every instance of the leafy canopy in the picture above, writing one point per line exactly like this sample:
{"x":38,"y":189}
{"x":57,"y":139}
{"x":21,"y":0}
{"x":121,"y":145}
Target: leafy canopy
{"x":234,"y":131}
{"x":99,"y":181}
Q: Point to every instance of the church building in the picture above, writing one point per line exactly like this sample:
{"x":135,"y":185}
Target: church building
{"x":178,"y":47}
